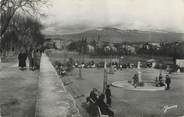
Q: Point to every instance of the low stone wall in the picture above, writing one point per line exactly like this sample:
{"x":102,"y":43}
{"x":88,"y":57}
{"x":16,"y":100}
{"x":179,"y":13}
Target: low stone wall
{"x":53,"y":99}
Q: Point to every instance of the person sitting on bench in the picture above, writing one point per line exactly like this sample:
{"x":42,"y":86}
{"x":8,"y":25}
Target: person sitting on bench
{"x":103,"y":106}
{"x":91,"y":100}
{"x":161,"y":83}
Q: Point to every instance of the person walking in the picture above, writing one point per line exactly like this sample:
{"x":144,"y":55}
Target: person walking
{"x":168,"y":82}
{"x":36,"y":59}
{"x":24,"y":57}
{"x":30,"y":57}
{"x":22,"y":60}
{"x":20,"y":56}
{"x":108,"y":95}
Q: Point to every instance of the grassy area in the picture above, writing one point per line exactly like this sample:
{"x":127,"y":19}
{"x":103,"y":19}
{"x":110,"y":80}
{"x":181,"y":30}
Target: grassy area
{"x":57,"y":55}
{"x":18,"y":90}
{"x":127,"y":103}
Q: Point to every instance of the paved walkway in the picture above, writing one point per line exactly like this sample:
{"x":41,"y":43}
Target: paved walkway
{"x":18,"y":91}
{"x":53,"y":99}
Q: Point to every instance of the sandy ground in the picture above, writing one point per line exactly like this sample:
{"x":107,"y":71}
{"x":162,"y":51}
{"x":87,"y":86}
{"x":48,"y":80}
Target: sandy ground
{"x":18,"y":90}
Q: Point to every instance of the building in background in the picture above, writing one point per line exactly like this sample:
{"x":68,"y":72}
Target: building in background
{"x":180,"y":63}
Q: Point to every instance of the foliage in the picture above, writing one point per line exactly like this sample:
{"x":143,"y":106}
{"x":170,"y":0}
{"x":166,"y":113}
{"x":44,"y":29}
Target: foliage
{"x":18,"y":24}
{"x":168,"y":49}
{"x":9,"y":8}
{"x":23,"y":32}
{"x":174,"y":49}
{"x":100,"y":49}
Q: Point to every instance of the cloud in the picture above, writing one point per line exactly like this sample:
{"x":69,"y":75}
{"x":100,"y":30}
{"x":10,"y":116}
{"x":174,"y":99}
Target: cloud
{"x":77,"y":15}
{"x":56,"y":28}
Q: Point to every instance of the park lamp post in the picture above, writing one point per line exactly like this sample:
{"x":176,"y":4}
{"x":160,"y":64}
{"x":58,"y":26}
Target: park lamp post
{"x":160,"y":67}
{"x":80,"y":63}
{"x":111,"y":68}
{"x":65,"y":53}
{"x":105,"y":77}
{"x":110,"y":50}
{"x":80,"y":67}
{"x":80,"y":71}
{"x":139,"y":71}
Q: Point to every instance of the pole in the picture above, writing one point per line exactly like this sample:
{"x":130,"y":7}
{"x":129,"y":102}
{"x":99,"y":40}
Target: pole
{"x":80,"y":67}
{"x":111,"y":71}
{"x":105,"y":77}
{"x":80,"y":72}
{"x":64,"y":53}
{"x":160,"y":67}
{"x":139,"y":71}
{"x":80,"y":63}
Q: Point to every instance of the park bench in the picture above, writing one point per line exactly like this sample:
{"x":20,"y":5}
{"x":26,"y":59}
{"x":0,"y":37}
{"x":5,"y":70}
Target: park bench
{"x":100,"y":113}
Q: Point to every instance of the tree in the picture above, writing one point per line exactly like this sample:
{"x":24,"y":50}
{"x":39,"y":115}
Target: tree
{"x":8,"y":9}
{"x":23,"y":32}
{"x":29,"y":31}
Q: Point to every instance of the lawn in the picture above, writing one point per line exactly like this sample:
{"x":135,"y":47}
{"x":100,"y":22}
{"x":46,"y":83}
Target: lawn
{"x":62,"y":56}
{"x":127,"y":103}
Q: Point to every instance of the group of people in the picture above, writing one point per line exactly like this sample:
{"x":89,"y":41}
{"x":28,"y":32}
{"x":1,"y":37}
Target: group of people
{"x":96,"y":101}
{"x":135,"y":80}
{"x":33,"y":56}
{"x":160,"y":81}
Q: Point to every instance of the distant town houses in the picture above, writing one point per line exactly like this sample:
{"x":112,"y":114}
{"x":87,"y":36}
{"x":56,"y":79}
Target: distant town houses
{"x":149,"y":46}
{"x":90,"y":49}
{"x":56,"y":43}
{"x":180,"y":62}
{"x":104,"y":48}
{"x":130,"y":49}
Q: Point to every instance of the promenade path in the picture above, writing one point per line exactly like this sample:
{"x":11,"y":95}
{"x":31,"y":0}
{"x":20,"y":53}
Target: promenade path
{"x":18,"y":91}
{"x":53,"y":98}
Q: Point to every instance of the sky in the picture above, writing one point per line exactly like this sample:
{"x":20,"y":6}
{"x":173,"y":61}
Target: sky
{"x":71,"y":16}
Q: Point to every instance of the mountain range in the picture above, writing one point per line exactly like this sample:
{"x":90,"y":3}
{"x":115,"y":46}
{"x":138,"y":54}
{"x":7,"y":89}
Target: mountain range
{"x":115,"y":35}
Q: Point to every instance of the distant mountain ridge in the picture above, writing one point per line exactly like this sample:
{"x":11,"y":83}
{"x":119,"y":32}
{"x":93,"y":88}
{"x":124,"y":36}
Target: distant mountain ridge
{"x":115,"y":35}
